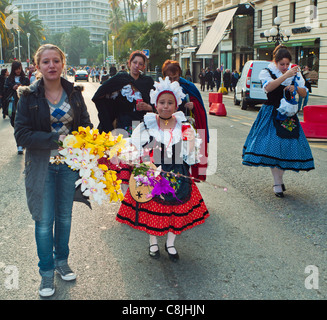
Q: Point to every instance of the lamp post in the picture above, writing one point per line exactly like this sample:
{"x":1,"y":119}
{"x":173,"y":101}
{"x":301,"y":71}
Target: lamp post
{"x":276,"y":34}
{"x":107,"y":52}
{"x":176,"y":47}
{"x":104,"y":53}
{"x":113,"y":47}
{"x":18,"y":33}
{"x":1,"y":48}
{"x":28,"y":48}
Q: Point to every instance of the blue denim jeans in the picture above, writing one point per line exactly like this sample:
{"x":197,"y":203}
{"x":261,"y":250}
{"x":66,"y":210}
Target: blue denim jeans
{"x":303,"y":101}
{"x":53,"y":230}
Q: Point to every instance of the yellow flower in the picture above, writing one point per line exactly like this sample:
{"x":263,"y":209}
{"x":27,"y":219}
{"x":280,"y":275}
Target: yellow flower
{"x":103,"y":167}
{"x":97,"y":149}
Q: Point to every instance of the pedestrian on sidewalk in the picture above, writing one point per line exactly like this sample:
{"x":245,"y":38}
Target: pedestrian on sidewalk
{"x":47,"y":111}
{"x":201,"y":76}
{"x":217,"y":78}
{"x":235,"y":77}
{"x":160,"y":139}
{"x":209,"y":79}
{"x":3,"y":77}
{"x":193,"y":108}
{"x":273,"y":141}
{"x":15,"y":79}
{"x":306,"y":76}
{"x":227,"y":78}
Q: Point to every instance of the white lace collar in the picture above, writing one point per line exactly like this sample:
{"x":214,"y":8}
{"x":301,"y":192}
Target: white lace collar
{"x":164,"y":136}
{"x":273,"y":68}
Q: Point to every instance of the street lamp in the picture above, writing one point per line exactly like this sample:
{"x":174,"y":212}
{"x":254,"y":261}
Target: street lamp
{"x":28,"y":48}
{"x":175,"y":46}
{"x":113,"y":47}
{"x":1,"y":48}
{"x":18,"y":33}
{"x":277,"y":35}
{"x":104,"y":54}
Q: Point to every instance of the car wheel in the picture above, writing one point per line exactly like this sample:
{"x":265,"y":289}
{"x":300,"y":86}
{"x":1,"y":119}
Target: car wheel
{"x":236,"y":102}
{"x":244,"y":104}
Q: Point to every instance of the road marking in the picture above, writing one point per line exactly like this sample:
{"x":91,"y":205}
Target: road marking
{"x":318,"y":146}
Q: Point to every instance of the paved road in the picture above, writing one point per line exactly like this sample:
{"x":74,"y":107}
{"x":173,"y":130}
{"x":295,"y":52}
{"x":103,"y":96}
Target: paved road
{"x":253,"y":246}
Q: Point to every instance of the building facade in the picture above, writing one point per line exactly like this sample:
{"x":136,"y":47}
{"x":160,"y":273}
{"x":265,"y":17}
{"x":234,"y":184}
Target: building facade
{"x":197,"y":47}
{"x":211,"y":33}
{"x":60,"y":16}
{"x":307,"y":20}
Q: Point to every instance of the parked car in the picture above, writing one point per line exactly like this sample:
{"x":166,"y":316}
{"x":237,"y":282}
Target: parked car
{"x":248,"y":90}
{"x":81,"y":75}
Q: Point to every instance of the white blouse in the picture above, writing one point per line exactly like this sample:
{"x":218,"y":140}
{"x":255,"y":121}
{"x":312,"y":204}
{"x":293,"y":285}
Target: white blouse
{"x":266,"y":78}
{"x":142,"y":133}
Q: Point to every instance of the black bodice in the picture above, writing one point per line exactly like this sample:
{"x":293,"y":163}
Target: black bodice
{"x":276,"y":95}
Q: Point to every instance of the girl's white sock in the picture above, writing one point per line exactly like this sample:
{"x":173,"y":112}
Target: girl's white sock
{"x":170,"y":242}
{"x":153,"y":240}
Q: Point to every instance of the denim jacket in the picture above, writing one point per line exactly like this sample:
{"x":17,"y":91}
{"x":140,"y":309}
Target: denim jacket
{"x":33,"y":131}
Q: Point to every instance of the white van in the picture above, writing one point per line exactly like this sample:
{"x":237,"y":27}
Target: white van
{"x":248,"y":90}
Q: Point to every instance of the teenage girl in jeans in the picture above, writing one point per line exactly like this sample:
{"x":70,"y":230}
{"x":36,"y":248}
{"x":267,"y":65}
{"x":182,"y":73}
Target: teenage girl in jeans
{"x":47,"y":111}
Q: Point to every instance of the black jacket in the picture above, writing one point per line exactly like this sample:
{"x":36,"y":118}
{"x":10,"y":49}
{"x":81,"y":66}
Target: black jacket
{"x":33,"y":131}
{"x":111,"y":109}
{"x":32,"y":123}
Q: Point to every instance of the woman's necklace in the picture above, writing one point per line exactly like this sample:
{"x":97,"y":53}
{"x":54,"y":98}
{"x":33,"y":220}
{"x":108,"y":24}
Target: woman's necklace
{"x":55,"y":101}
{"x":166,"y":120}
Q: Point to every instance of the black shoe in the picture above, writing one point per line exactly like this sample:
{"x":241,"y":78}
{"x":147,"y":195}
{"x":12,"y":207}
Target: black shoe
{"x":172,"y":257}
{"x":279,"y":194}
{"x":154,"y":254}
{"x":283,"y":187}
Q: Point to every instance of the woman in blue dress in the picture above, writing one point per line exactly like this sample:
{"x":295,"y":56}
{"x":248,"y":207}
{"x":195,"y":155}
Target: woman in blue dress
{"x":273,"y":141}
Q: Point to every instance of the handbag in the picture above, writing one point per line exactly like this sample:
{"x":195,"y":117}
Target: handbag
{"x":11,"y":106}
{"x":287,"y":107}
{"x":285,"y":119}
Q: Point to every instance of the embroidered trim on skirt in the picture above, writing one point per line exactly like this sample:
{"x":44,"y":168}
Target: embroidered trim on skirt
{"x":158,"y":219}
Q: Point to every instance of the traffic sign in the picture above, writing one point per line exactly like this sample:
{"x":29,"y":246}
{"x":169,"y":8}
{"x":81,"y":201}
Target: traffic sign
{"x":2,"y":61}
{"x":146,"y":52}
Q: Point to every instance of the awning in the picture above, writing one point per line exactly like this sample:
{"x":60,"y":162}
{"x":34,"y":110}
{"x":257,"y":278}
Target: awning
{"x":216,"y":32}
{"x":291,"y":43}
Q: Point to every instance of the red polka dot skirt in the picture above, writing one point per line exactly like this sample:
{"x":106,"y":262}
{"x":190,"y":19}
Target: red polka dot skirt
{"x":124,"y":171}
{"x":158,"y":217}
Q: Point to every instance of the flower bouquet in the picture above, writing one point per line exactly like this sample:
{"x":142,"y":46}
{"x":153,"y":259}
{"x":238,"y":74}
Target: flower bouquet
{"x":148,"y":181}
{"x":89,"y":152}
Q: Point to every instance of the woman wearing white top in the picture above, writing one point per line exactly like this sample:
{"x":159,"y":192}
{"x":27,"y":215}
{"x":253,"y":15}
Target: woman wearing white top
{"x":275,"y":140}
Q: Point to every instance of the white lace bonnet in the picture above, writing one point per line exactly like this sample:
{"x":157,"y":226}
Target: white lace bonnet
{"x":166,"y":86}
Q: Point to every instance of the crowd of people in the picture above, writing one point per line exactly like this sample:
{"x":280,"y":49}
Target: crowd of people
{"x":47,"y":109}
{"x":213,"y":79}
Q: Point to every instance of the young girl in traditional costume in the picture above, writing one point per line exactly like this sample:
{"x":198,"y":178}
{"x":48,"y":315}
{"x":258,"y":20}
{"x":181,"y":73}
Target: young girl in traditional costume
{"x":275,"y":140}
{"x":160,"y":139}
